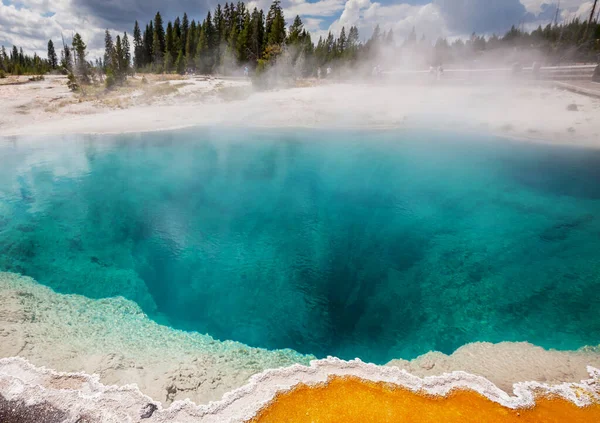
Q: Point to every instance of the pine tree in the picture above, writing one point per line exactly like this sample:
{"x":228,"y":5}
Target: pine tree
{"x":158,"y":41}
{"x":2,"y":63}
{"x":190,"y":46}
{"x":342,"y":41}
{"x":170,"y":41}
{"x":168,"y":62}
{"x":295,"y":31}
{"x":352,"y":43}
{"x":138,"y":47}
{"x":180,"y":63}
{"x":126,"y":63}
{"x":148,"y":42}
{"x":52,"y":59}
{"x":185,"y":27}
{"x":177,"y":36}
{"x":257,"y":31}
{"x":202,"y":60}
{"x":118,"y":60}
{"x":4,"y":58}
{"x":66,"y":59}
{"x":210,"y":36}
{"x":109,"y":51}
{"x":243,"y":41}
{"x":220,"y":34}
{"x":82,"y":67}
{"x":275,"y":24}
{"x":221,"y":23}
{"x":389,"y":39}
{"x":14,"y":57}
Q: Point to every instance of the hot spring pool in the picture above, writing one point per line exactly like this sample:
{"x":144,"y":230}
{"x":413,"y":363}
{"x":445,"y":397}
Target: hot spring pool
{"x":376,"y":245}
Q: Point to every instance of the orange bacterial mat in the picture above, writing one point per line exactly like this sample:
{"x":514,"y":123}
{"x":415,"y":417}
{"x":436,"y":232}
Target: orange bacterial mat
{"x":352,"y":400}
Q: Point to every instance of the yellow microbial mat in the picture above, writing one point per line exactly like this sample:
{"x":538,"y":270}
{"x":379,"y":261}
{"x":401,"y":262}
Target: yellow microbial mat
{"x":353,"y":400}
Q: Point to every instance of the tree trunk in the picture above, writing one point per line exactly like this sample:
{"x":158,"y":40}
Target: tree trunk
{"x":592,"y":12}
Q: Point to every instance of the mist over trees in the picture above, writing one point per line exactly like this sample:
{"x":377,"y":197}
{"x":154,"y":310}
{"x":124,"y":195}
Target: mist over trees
{"x":232,"y":37}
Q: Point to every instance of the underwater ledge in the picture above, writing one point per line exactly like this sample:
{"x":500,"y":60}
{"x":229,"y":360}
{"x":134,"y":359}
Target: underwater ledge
{"x":114,"y":340}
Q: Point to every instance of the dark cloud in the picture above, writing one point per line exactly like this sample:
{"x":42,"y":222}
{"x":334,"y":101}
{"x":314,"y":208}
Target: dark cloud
{"x":121,"y":14}
{"x":482,"y":16}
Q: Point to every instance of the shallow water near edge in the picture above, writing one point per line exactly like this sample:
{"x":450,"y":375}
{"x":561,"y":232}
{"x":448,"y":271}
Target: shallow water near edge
{"x":372,"y":244}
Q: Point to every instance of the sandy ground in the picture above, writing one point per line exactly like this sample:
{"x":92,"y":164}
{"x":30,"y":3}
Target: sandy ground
{"x":540,"y":113}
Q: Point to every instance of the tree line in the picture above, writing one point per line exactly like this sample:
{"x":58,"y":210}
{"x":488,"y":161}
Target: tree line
{"x":573,"y":41}
{"x":233,"y":36}
{"x":18,"y":63}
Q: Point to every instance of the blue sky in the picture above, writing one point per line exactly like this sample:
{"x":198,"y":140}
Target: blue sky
{"x":30,"y":23}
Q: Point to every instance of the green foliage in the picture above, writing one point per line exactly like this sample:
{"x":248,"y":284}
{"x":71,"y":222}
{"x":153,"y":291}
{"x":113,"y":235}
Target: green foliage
{"x":2,"y":74}
{"x":110,"y":81}
{"x":180,"y":63}
{"x":233,"y":37}
{"x":138,"y":47}
{"x":168,"y":64}
{"x":52,"y":58}
{"x":158,"y":42}
{"x":72,"y":82}
{"x":19,"y":63}
{"x":117,"y":59}
{"x":275,"y":24}
{"x":82,"y":68}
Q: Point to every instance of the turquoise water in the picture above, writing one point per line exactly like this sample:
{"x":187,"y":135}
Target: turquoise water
{"x":375,"y":245}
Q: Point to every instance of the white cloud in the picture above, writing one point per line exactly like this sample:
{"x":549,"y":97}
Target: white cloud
{"x":320,"y":8}
{"x":401,"y":18}
{"x":28,"y":24}
{"x":582,"y":11}
{"x":537,"y":6}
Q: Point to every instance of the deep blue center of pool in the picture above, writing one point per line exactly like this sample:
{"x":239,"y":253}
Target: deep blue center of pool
{"x":375,"y":245}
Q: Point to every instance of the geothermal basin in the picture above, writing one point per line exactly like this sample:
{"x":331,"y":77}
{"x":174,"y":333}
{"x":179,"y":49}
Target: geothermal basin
{"x":251,"y":249}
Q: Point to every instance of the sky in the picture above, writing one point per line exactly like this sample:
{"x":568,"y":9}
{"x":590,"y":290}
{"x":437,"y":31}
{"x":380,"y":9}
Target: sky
{"x":31,"y":23}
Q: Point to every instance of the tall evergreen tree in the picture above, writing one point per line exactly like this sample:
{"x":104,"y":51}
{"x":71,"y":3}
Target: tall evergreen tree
{"x":177,"y":36}
{"x":342,"y":41}
{"x":170,"y":41}
{"x":52,"y":58}
{"x":185,"y":27}
{"x":190,"y":46}
{"x":275,"y":24}
{"x":295,"y":31}
{"x":138,"y":47}
{"x":257,"y":32}
{"x":126,"y":54}
{"x":66,"y":58}
{"x":109,"y":50}
{"x":148,"y":44}
{"x":4,"y":58}
{"x":158,"y":41}
{"x":82,"y":67}
{"x":243,"y":42}
{"x":14,"y":57}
